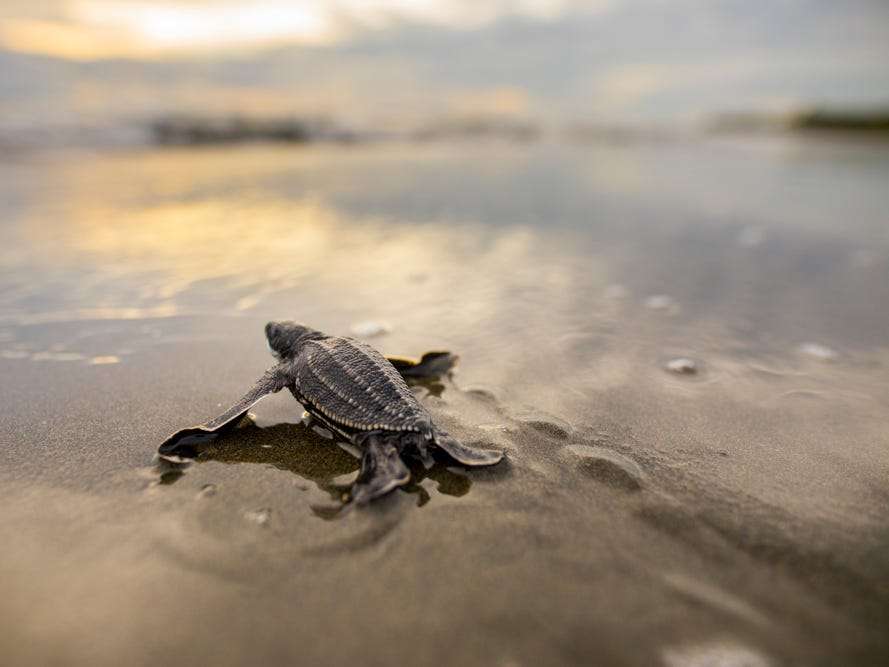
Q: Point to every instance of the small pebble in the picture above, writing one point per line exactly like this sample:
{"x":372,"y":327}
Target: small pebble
{"x":107,"y":359}
{"x":660,"y":302}
{"x":207,"y":490}
{"x":260,"y":517}
{"x":370,"y":329}
{"x":682,"y":366}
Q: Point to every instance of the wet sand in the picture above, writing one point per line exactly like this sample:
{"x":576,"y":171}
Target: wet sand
{"x":736,"y":513}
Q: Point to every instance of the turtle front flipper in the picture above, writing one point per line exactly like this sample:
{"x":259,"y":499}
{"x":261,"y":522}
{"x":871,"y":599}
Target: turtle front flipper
{"x":382,"y":469}
{"x":430,"y":366}
{"x":468,"y":456}
{"x":182,"y":443}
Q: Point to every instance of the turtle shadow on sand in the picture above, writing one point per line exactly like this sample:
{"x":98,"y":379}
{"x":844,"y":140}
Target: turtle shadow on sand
{"x":298,"y":449}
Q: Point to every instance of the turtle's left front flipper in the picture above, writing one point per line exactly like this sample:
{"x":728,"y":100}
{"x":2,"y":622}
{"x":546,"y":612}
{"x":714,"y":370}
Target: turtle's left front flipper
{"x":182,"y":443}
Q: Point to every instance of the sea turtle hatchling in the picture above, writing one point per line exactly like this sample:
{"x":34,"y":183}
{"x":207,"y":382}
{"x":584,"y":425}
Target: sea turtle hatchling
{"x":356,"y":393}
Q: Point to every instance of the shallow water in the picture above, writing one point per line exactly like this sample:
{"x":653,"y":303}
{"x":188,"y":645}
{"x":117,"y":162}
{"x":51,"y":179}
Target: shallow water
{"x":734,"y":513}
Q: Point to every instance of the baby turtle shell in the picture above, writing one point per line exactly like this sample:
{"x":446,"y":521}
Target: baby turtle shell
{"x":353,"y":385}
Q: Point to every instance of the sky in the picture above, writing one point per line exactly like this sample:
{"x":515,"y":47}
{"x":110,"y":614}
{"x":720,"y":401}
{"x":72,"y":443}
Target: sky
{"x":393,"y":62}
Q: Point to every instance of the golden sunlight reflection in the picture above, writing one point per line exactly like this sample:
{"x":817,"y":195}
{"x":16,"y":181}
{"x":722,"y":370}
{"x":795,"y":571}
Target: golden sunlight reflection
{"x":185,"y":243}
{"x":206,"y":234}
{"x":181,"y":253}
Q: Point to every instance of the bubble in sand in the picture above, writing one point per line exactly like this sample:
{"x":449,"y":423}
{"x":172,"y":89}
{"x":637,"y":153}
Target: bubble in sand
{"x":682,"y":366}
{"x":660,"y":302}
{"x":370,"y":328}
{"x":260,"y":517}
{"x":608,"y":466}
{"x":818,"y":351}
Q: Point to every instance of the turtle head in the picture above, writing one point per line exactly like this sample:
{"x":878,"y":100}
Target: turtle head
{"x":286,"y":338}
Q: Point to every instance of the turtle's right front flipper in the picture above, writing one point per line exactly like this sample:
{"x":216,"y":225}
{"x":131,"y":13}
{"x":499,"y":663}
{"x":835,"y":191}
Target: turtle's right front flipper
{"x":182,"y":443}
{"x":431,"y":365}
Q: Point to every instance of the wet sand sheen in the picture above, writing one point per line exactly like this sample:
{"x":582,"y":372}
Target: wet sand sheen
{"x":645,"y":516}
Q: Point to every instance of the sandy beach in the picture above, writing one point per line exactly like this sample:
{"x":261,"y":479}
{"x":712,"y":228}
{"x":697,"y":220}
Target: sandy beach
{"x":680,"y":345}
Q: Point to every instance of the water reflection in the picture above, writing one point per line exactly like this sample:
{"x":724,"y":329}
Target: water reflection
{"x":528,"y":235}
{"x":522,"y":236}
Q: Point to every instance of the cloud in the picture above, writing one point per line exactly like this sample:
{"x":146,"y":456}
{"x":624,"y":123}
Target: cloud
{"x":624,"y":61}
{"x":93,"y":29}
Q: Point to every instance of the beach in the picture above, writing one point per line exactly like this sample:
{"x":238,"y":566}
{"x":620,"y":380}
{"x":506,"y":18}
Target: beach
{"x":680,"y":344}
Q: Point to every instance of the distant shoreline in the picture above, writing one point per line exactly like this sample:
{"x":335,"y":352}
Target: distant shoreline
{"x":870,"y":122}
{"x":208,"y":130}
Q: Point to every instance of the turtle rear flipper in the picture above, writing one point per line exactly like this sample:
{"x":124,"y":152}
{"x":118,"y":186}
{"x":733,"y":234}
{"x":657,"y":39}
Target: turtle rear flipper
{"x":430,"y":366}
{"x":181,"y":444}
{"x":382,"y":469}
{"x":468,"y":456}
